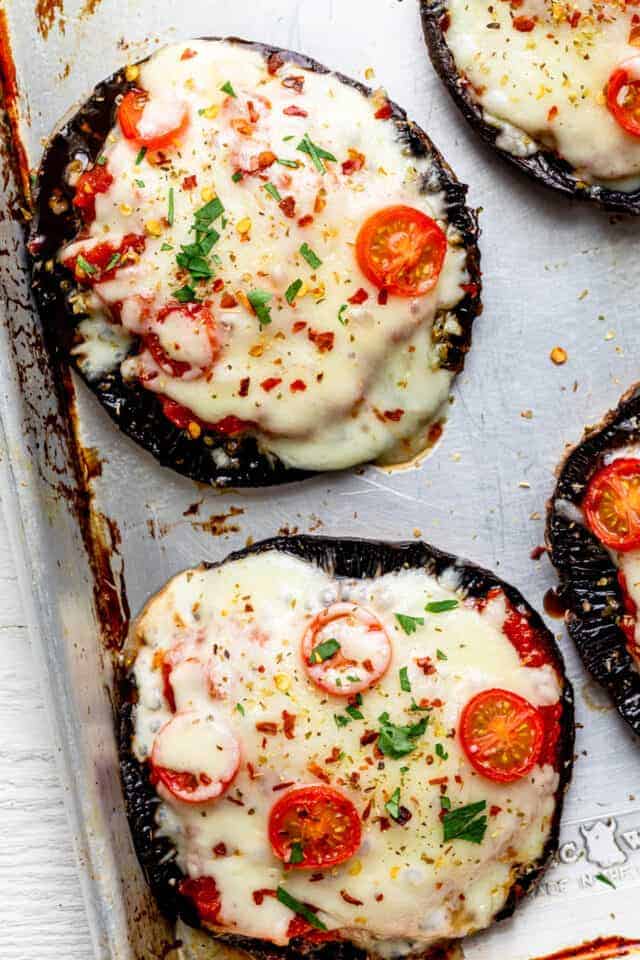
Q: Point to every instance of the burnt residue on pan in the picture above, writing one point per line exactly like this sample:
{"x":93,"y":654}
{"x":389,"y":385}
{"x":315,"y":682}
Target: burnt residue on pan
{"x":603,"y":948}
{"x":138,"y":411}
{"x":351,"y":558}
{"x":589,"y":588}
{"x":47,"y":13}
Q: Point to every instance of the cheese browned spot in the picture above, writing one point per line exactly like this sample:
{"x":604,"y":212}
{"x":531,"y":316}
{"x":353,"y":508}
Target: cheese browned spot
{"x":237,"y":629}
{"x":319,"y":365}
{"x":539,"y":70}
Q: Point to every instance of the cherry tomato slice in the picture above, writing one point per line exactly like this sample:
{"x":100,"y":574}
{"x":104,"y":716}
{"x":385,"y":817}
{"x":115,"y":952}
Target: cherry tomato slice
{"x":314,"y":827}
{"x":401,"y":250}
{"x":206,"y":897}
{"x":195,"y":735}
{"x":345,"y":649}
{"x":99,"y":263}
{"x":502,"y":735}
{"x":623,"y":95}
{"x":93,"y":181}
{"x":167,"y":125}
{"x":612,"y":504}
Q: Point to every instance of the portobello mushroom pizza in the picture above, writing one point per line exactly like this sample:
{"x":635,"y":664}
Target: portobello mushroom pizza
{"x":343,"y":747}
{"x":593,"y":532}
{"x":261,"y":268}
{"x":553,"y":85}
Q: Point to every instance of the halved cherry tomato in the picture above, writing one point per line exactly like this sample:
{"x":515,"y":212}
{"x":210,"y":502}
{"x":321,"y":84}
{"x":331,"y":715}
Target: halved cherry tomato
{"x":502,"y":735}
{"x":181,"y":416}
{"x":93,"y":181}
{"x":401,"y":250}
{"x":101,"y":259}
{"x":317,"y":823}
{"x":164,"y":132}
{"x":200,"y":735}
{"x":206,"y":896}
{"x":612,"y":504}
{"x":623,"y":95}
{"x":345,"y":649}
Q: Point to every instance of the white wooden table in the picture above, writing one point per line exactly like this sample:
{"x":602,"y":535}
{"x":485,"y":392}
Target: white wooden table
{"x":41,"y":910}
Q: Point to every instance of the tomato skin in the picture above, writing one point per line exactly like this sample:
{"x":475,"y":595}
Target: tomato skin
{"x":610,"y":486}
{"x":323,"y":820}
{"x":99,"y":257}
{"x":95,"y":180}
{"x":486,"y":723}
{"x":299,"y":927}
{"x":394,"y":243}
{"x":205,"y":895}
{"x":129,"y":114}
{"x":626,"y":115}
{"x":181,"y":417}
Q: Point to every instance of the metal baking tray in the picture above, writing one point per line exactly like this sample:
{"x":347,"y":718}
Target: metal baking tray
{"x":93,"y":517}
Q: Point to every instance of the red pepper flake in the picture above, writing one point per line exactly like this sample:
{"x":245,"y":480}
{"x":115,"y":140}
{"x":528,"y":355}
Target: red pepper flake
{"x":305,"y":221}
{"x":385,"y":823}
{"x":316,"y":877}
{"x":575,"y":18}
{"x":369,"y":736}
{"x":218,"y":284}
{"x":367,"y":664}
{"x":426,"y":665}
{"x":188,"y":54}
{"x":294,"y":111}
{"x":552,"y":114}
{"x":274,"y":63}
{"x":349,"y":899}
{"x":317,"y":771}
{"x":270,"y":383}
{"x":458,"y":778}
{"x":437,"y":781}
{"x":494,"y":810}
{"x":283,"y":786}
{"x":379,"y":897}
{"x":471,"y":288}
{"x":384,"y":112}
{"x":238,"y":803}
{"x":445,"y":22}
{"x":244,"y":386}
{"x":289,"y":721}
{"x":254,"y":116}
{"x":190,"y":182}
{"x":359,"y":296}
{"x":293,"y":83}
{"x":299,"y":325}
{"x":266,"y":726}
{"x":220,"y":849}
{"x":394,"y":415}
{"x":524,"y":24}
{"x":334,"y":756}
{"x":266,"y":159}
{"x":228,"y":301}
{"x":298,"y":386}
{"x":383,"y":296}
{"x":367,"y":811}
{"x":288,"y":206}
{"x":259,"y":895}
{"x":537,"y":552}
{"x":252,"y":771}
{"x":323,"y":341}
{"x":355,"y":162}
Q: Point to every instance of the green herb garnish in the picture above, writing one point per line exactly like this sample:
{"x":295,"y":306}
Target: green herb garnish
{"x":296,"y":853}
{"x":227,"y":88}
{"x":441,"y":655}
{"x":392,"y":806}
{"x":240,"y":708}
{"x":204,"y":217}
{"x":466,"y":823}
{"x":445,"y":803}
{"x":85,"y":266}
{"x":441,"y":752}
{"x":273,"y":191}
{"x":341,"y":314}
{"x":237,"y":176}
{"x":324,"y":651}
{"x":186,"y":294}
{"x":317,"y":153}
{"x":142,"y":152}
{"x":287,"y":163}
{"x":354,"y":713}
{"x":259,"y":300}
{"x":140,"y":183}
{"x":292,"y":291}
{"x":405,"y":683}
{"x":341,"y":720}
{"x":395,"y":741}
{"x":299,"y":908}
{"x":170,"y":207}
{"x":441,"y":606}
{"x":166,"y":246}
{"x":113,"y":262}
{"x":416,"y":708}
{"x":603,"y":879}
{"x":409,"y":624}
{"x":101,"y":160}
{"x":310,"y":256}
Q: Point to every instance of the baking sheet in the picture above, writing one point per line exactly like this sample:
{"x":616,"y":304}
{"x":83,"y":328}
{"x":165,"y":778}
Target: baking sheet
{"x":556,"y":273}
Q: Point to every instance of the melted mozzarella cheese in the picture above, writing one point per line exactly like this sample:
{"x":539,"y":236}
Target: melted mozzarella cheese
{"x":546,"y":86}
{"x":382,"y":358}
{"x":243,"y":623}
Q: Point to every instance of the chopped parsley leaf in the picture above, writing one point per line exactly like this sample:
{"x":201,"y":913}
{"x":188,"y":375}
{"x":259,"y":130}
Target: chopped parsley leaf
{"x":310,"y":256}
{"x":140,"y":183}
{"x":204,"y":217}
{"x":445,"y":803}
{"x":392,"y":806}
{"x":85,"y":266}
{"x":240,"y":708}
{"x":604,"y":879}
{"x":317,"y":153}
{"x":341,"y":314}
{"x":113,"y":262}
{"x":405,"y":683}
{"x":324,"y":651}
{"x":273,"y":191}
{"x":292,"y":291}
{"x":354,"y":713}
{"x":237,"y":176}
{"x":101,"y":160}
{"x":290,"y":137}
{"x":466,"y":823}
{"x":341,"y":720}
{"x":441,"y":606}
{"x":166,"y":246}
{"x":409,"y":624}
{"x":288,"y":163}
{"x":186,"y":294}
{"x":395,"y":741}
{"x":441,"y":752}
{"x":441,"y":655}
{"x":141,"y":155}
{"x":227,"y":88}
{"x":416,"y":708}
{"x":259,"y":300}
{"x":299,"y":908}
{"x":296,"y":854}
{"x":171,"y":208}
